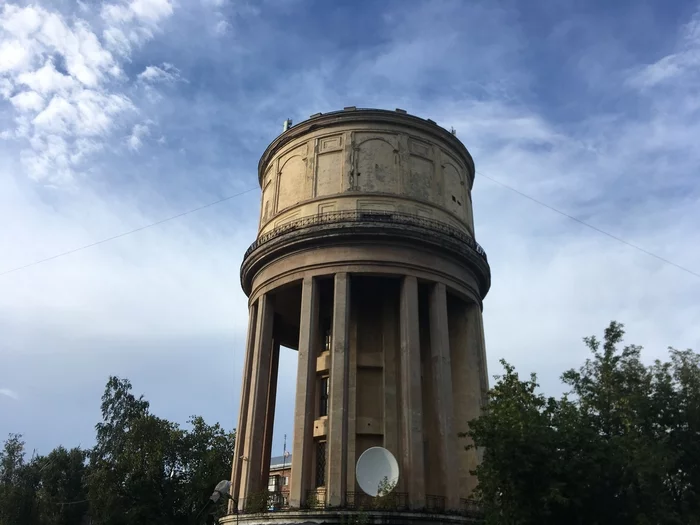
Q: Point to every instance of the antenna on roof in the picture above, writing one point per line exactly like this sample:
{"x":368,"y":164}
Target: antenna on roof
{"x":285,"y":454}
{"x":287,"y":124}
{"x":453,"y":131}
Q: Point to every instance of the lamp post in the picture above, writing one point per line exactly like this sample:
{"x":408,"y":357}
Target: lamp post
{"x":223,"y":488}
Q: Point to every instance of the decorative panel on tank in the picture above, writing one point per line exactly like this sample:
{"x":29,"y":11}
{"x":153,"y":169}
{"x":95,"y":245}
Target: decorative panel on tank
{"x":376,"y":205}
{"x":292,"y":179}
{"x":469,"y":211}
{"x":418,"y":147}
{"x":329,"y":173}
{"x":454,"y":190}
{"x":332,"y":143}
{"x":287,"y":219}
{"x":268,"y":196}
{"x":326,"y":207}
{"x":376,"y":165}
{"x":420,"y":178}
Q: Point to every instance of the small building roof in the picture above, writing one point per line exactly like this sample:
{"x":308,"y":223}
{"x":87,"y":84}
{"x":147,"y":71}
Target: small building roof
{"x":279,"y":462}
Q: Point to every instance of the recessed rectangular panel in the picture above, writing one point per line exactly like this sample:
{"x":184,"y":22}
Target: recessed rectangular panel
{"x":287,"y":219}
{"x":418,"y":147}
{"x":378,"y":205}
{"x":327,"y":207}
{"x":332,"y":143}
{"x":420,"y":178}
{"x":329,"y":173}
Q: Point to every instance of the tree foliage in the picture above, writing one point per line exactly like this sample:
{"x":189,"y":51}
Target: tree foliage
{"x":622,"y":446}
{"x":143,"y":469}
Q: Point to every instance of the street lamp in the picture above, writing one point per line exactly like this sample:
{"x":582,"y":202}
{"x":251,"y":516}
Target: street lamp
{"x":223,"y":488}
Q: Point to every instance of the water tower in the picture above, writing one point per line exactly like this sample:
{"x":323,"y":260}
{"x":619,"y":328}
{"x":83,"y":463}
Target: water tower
{"x":366,"y":264}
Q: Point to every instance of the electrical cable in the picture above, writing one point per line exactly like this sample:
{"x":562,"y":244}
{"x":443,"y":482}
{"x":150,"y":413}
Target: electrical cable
{"x":552,"y":208}
{"x":618,"y":239}
{"x":124,"y":234}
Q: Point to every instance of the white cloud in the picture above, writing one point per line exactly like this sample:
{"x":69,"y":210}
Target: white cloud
{"x":119,"y":291}
{"x":138,"y":133}
{"x":221,"y":27}
{"x":64,"y":82}
{"x":149,"y":11}
{"x":21,"y":22}
{"x":684,"y":60}
{"x":165,"y":73}
{"x":46,"y":80}
{"x":9,"y":393}
{"x":13,"y":56}
{"x":28,"y":101}
{"x":132,"y":22}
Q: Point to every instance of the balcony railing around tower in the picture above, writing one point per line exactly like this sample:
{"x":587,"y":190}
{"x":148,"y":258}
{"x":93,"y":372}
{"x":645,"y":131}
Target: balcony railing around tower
{"x":274,"y":502}
{"x":362,"y":216}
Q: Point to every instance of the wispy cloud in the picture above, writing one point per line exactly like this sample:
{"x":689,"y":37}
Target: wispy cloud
{"x":163,"y":73}
{"x":685,"y":60}
{"x":9,"y":393}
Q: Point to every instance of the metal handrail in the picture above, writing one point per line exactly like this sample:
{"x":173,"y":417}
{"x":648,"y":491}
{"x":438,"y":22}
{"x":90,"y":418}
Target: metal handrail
{"x":315,"y":499}
{"x":277,"y":501}
{"x":392,"y":501}
{"x":348,"y":216}
{"x":435,"y":503}
{"x":470,"y":508}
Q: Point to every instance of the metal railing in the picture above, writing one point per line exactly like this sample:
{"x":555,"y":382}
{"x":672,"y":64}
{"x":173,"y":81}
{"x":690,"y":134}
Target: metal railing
{"x":392,"y":501}
{"x":434,"y":503}
{"x":315,"y":499}
{"x":470,"y":508}
{"x":278,"y":500}
{"x":263,"y":502}
{"x":361,"y":216}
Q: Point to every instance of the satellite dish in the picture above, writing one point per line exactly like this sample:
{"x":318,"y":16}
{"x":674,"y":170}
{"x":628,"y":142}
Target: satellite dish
{"x":377,"y":471}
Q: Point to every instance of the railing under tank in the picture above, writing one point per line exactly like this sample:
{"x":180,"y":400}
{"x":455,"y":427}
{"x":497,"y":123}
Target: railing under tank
{"x":273,"y":502}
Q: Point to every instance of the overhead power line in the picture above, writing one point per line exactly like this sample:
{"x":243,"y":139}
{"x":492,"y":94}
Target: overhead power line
{"x":213,"y":203}
{"x":587,"y":225}
{"x":124,"y":234}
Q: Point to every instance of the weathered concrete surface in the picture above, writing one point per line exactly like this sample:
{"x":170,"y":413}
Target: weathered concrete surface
{"x":397,"y":279}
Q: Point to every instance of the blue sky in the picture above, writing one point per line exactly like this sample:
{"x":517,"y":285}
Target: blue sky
{"x":119,"y":113}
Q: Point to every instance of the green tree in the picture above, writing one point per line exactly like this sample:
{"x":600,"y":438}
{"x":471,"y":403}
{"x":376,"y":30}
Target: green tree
{"x":142,"y":470}
{"x":145,"y":469}
{"x":622,"y":447}
{"x":205,"y":453}
{"x":18,"y":484}
{"x":61,"y":495}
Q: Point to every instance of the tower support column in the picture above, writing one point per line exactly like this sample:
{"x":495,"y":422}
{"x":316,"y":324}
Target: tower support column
{"x":302,"y":448}
{"x":475,"y":327}
{"x":243,"y":414}
{"x":442,"y":394}
{"x":412,"y":457}
{"x":251,"y":481}
{"x":337,"y":460}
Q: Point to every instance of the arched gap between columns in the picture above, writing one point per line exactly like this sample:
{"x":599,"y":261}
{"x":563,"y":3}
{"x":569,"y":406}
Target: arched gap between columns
{"x":374,"y":407}
{"x":288,"y":314}
{"x":276,"y":467}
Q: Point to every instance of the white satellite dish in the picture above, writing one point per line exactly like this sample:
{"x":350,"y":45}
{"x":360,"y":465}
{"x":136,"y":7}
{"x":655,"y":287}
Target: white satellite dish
{"x":377,"y":470}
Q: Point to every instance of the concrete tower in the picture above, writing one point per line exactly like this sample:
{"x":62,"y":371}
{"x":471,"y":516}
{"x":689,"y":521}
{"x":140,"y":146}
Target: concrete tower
{"x":366,"y":263}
